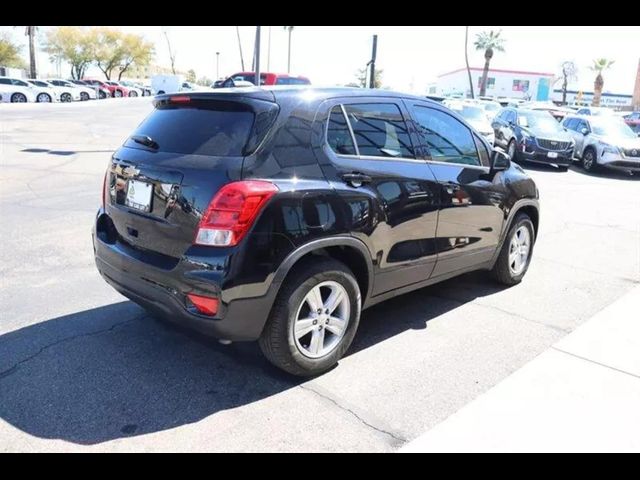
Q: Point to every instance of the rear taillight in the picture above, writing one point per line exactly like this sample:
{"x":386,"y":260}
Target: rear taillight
{"x":105,"y":189}
{"x":180,"y":99}
{"x":204,"y":305}
{"x":232,"y":211}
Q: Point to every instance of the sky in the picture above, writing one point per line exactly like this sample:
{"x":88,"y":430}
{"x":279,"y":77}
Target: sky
{"x":410,"y":57}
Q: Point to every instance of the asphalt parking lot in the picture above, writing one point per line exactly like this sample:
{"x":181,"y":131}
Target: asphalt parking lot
{"x":83,"y":368}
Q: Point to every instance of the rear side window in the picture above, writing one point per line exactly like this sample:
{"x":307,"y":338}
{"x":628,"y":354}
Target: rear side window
{"x":338,"y":135}
{"x":380,"y":130}
{"x":221,"y":131}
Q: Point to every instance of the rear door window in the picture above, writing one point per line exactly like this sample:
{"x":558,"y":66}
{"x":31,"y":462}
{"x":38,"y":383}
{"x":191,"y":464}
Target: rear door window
{"x":217,"y":129}
{"x":338,"y":134}
{"x":380,"y":130}
{"x":447,"y":139}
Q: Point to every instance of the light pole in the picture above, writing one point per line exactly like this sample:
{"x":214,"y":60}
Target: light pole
{"x":217,"y":65}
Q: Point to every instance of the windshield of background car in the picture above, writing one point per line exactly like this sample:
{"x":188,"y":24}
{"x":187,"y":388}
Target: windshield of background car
{"x":470,"y":112}
{"x":612,"y":128}
{"x":540,"y":121}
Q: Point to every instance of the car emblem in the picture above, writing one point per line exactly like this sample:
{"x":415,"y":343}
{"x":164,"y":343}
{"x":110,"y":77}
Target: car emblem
{"x":554,"y":143}
{"x":130,"y":171}
{"x":634,"y":153}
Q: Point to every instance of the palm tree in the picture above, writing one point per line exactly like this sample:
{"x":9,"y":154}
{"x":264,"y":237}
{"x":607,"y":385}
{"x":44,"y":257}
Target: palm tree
{"x":289,"y":29}
{"x":599,"y":65}
{"x":489,"y":42}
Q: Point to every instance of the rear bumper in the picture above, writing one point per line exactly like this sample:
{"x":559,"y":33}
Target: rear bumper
{"x":163,"y":292}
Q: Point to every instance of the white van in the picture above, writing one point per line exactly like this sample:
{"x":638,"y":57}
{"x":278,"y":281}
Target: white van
{"x":167,"y":84}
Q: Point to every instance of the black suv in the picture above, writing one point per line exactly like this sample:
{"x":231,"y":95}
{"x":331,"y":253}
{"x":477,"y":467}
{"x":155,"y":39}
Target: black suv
{"x":534,"y":136}
{"x":278,"y":214}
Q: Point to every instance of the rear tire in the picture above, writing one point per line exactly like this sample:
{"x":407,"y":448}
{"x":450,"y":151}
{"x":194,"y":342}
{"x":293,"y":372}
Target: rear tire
{"x":283,"y":340}
{"x":84,"y":96}
{"x":43,"y":98}
{"x":66,"y":98}
{"x":117,"y":93}
{"x":18,"y":98}
{"x":511,"y":266}
{"x":133,"y":94}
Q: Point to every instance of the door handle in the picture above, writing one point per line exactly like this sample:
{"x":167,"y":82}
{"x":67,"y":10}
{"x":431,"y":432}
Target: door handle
{"x":356,"y":179}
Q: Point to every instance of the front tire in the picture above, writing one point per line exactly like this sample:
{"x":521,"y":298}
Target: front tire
{"x":515,"y":255}
{"x":589,"y":160}
{"x":314,"y":318}
{"x":512,"y":151}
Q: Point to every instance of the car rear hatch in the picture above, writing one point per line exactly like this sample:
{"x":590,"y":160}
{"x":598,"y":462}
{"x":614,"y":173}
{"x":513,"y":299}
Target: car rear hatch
{"x":161,"y":181}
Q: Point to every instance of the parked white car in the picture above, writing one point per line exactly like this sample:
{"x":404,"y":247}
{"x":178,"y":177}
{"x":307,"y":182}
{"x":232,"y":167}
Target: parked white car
{"x":16,"y":91}
{"x":77,"y":92}
{"x":47,"y":93}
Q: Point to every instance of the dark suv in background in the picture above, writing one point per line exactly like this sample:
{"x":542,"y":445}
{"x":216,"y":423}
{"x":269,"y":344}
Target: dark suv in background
{"x":534,"y":136}
{"x":278,"y":214}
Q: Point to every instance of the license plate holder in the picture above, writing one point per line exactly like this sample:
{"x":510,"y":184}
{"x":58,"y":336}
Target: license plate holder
{"x":139,"y":195}
{"x":552,"y":154}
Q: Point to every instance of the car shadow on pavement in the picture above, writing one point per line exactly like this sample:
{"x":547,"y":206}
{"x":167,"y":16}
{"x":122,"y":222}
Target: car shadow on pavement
{"x":113,"y":371}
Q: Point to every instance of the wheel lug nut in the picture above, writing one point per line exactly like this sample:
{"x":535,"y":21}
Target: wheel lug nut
{"x":319,"y":311}
{"x":315,"y":322}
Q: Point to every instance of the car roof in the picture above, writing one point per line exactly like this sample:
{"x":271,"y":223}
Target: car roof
{"x":282,"y":92}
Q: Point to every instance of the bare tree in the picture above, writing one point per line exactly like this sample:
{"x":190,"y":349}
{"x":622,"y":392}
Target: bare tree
{"x":569,"y":73}
{"x":31,"y":33}
{"x":240,"y":47}
{"x":466,"y":59}
{"x":172,"y":55}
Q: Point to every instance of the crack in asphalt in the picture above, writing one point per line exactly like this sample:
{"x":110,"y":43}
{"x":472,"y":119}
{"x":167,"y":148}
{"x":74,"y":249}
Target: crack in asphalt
{"x":10,"y":371}
{"x":358,"y":417}
{"x":507,"y":312}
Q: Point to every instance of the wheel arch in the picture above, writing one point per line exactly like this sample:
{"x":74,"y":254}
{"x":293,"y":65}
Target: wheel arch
{"x":529,"y":206}
{"x":348,"y":250}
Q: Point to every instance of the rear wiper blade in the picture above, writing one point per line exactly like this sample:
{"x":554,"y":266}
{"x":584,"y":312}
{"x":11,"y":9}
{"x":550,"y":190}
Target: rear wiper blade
{"x":145,"y":140}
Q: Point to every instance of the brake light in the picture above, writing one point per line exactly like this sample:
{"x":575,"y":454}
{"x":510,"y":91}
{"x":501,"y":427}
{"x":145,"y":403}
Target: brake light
{"x":104,"y":189}
{"x":232,"y":212}
{"x":180,"y":99}
{"x":204,"y":305}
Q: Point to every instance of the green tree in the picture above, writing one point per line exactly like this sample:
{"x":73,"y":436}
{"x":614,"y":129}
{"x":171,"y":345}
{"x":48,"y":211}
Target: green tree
{"x":74,"y":45}
{"x":290,"y":31}
{"x":10,"y":53}
{"x":599,"y":66}
{"x":191,"y":76}
{"x":362,"y":74}
{"x":109,"y":51}
{"x":490,"y":42}
{"x":136,"y":52}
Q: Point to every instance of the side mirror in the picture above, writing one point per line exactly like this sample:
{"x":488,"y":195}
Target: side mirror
{"x":584,"y":131}
{"x":499,"y":160}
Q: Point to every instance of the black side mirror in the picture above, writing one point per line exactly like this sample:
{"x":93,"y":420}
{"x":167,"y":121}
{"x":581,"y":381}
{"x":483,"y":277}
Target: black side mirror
{"x":499,"y":160}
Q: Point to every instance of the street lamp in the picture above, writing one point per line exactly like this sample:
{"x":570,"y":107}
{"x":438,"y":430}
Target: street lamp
{"x":217,"y":65}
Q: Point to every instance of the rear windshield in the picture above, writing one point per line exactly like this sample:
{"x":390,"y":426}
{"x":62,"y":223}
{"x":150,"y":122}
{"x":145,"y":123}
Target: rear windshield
{"x":195,"y":130}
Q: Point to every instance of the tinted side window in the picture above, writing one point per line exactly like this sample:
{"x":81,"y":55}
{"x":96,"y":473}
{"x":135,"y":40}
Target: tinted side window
{"x":485,"y":156}
{"x":5,"y":81}
{"x":292,"y":81}
{"x":447,"y":139}
{"x":511,"y":116}
{"x":20,"y":83}
{"x":338,"y":134}
{"x":570,"y":123}
{"x":380,"y":130}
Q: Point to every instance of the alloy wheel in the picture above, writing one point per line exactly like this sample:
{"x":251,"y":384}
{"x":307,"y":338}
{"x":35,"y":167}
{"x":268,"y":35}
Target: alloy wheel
{"x":519,"y":249}
{"x":322,"y":319}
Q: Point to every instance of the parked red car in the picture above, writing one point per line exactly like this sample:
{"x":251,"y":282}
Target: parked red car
{"x":633,"y":120}
{"x":266,"y":78}
{"x":114,"y":88}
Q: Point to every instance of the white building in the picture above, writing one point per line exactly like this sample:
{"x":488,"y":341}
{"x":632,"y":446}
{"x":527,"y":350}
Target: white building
{"x":500,"y":83}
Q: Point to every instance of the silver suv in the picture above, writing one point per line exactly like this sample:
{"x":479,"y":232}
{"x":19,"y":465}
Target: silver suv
{"x":604,"y":141}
